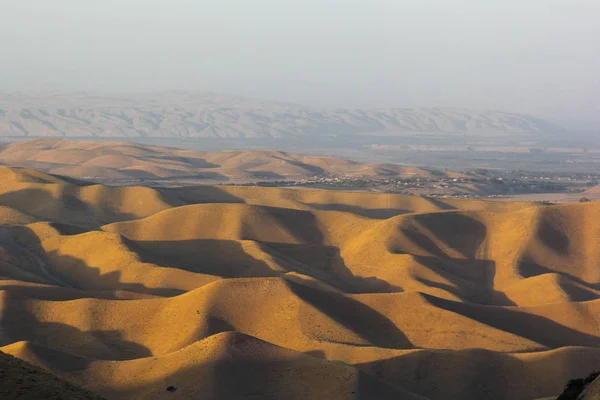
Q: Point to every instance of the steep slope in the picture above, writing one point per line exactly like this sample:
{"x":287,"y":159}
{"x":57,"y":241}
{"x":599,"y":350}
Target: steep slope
{"x":591,"y":389}
{"x":22,"y":381}
{"x":581,"y":388}
{"x":189,"y":114}
{"x":232,"y":292}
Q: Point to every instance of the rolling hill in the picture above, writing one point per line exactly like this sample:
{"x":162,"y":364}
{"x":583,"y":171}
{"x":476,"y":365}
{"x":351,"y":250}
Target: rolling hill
{"x":209,"y":115}
{"x":245,"y":292}
{"x":21,"y":381}
{"x":121,"y":161}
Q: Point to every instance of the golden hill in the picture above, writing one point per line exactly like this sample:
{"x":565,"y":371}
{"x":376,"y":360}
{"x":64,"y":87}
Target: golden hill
{"x":126,"y":162}
{"x":243,"y":292}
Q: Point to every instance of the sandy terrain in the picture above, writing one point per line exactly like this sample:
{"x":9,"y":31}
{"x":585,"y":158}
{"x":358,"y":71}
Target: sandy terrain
{"x":127,"y":162}
{"x":267,"y":293}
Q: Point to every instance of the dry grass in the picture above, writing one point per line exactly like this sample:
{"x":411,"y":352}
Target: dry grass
{"x":22,"y":381}
{"x":235,"y":292}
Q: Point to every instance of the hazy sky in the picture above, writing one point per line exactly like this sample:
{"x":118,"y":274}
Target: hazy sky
{"x":540,"y":56}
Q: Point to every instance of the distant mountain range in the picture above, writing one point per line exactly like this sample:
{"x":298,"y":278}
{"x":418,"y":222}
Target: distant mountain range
{"x":206,"y":114}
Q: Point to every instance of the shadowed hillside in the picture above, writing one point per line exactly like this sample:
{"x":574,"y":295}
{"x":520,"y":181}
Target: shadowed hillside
{"x":245,"y":292}
{"x":21,"y":381}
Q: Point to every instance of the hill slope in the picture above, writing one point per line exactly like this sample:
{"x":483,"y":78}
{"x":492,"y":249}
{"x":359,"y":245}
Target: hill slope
{"x":21,"y":381}
{"x":198,"y":114}
{"x":121,"y":161}
{"x":233,"y":292}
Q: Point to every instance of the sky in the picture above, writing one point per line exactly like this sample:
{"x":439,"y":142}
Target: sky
{"x":530,"y":56}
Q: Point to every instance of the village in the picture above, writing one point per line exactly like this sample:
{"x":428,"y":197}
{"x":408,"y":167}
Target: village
{"x":475,"y":184}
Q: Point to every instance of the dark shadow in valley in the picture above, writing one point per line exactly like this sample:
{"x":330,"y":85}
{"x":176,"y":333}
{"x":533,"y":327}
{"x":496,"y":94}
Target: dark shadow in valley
{"x":301,"y":225}
{"x":70,"y":272}
{"x":521,"y":323}
{"x":473,"y":279}
{"x":528,"y":268}
{"x":267,"y":374}
{"x":479,"y":374}
{"x":327,"y":265}
{"x":229,"y":259}
{"x":215,"y":325}
{"x":309,"y":254}
{"x":67,"y":230}
{"x":553,"y":238}
{"x":66,"y":208}
{"x":359,"y":318}
{"x":451,"y":230}
{"x":316,"y":354}
{"x":430,"y":239}
{"x":19,"y":323}
{"x":422,"y":241}
{"x":72,"y":181}
{"x":223,"y":258}
{"x":58,"y":293}
{"x":90,"y":279}
{"x":200,"y":195}
{"x":40,"y":204}
{"x":482,"y":374}
{"x":374,"y":213}
{"x":438,"y":203}
{"x":256,"y":379}
{"x":457,"y":231}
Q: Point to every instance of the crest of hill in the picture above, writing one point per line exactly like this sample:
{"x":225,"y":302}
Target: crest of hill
{"x":125,"y":161}
{"x":205,"y":114}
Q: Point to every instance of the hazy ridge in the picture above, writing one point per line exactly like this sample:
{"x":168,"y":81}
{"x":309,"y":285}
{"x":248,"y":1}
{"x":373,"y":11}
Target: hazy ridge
{"x":209,"y":115}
